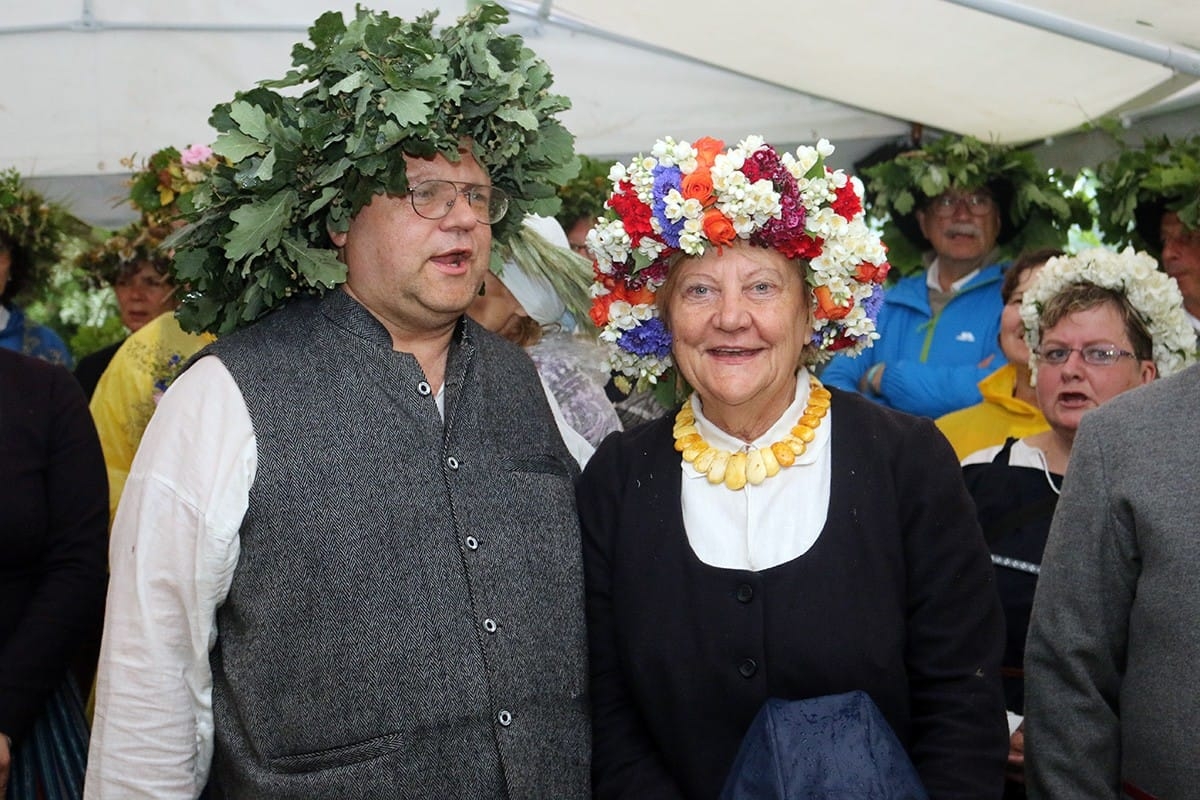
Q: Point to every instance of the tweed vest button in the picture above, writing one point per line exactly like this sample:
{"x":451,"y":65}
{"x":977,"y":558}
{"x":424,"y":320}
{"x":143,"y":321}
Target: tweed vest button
{"x":504,"y":718}
{"x":489,"y":625}
{"x":472,"y":543}
{"x":745,"y":593}
{"x":424,"y":389}
{"x":748,"y":668}
{"x":452,"y":462}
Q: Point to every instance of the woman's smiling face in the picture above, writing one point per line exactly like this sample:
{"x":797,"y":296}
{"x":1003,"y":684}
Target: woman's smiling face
{"x":739,"y":318}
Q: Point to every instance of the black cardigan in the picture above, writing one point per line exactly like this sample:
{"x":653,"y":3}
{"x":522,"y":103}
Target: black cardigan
{"x":896,"y":597}
{"x":53,"y":533}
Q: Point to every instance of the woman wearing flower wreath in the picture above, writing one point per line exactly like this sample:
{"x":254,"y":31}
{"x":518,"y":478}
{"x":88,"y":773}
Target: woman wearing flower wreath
{"x":772,"y":539}
{"x":1097,"y":324}
{"x":131,"y":262}
{"x":127,"y":392}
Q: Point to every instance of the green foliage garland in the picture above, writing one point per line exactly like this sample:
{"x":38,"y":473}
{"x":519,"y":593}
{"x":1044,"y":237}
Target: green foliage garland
{"x":584,"y":195}
{"x":374,"y":90}
{"x":37,"y":227}
{"x":1034,"y":207}
{"x":1136,"y":187}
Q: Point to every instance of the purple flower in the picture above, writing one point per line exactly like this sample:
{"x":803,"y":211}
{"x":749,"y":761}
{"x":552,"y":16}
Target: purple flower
{"x":651,"y":338}
{"x":666,"y":179}
{"x":872,"y":304}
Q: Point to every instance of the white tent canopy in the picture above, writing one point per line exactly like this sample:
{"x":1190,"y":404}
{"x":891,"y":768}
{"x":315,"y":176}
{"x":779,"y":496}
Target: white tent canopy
{"x":90,"y":82}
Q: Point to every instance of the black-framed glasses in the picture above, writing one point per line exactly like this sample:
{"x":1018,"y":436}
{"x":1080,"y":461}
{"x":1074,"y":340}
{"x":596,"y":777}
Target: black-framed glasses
{"x":977,"y":203}
{"x":434,"y":199}
{"x":1096,"y":355}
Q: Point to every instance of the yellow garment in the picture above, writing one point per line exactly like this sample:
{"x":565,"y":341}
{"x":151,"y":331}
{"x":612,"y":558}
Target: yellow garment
{"x":998,"y":417}
{"x":129,"y":390}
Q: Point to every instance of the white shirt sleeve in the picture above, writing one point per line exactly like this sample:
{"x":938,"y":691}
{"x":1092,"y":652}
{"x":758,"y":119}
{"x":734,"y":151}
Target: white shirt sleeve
{"x":174,"y":548}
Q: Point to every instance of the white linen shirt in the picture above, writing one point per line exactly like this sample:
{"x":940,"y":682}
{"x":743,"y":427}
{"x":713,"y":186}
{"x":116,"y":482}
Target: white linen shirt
{"x":174,"y":548}
{"x":761,"y":526}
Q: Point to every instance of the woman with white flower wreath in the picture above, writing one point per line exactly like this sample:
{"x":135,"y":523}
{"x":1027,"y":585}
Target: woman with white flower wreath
{"x":1097,"y":324}
{"x":771,"y":538}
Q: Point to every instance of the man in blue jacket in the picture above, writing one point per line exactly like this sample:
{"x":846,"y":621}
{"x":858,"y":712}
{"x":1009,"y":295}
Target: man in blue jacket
{"x":939,"y":328}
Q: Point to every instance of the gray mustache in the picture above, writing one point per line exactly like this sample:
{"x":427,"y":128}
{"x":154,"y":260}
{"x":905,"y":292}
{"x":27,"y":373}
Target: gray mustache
{"x":963,"y":229}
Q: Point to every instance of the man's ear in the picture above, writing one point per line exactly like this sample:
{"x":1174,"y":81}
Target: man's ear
{"x":339,"y":238}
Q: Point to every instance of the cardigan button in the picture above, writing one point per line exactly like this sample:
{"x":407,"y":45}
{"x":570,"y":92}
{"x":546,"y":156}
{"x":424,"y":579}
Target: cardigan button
{"x":424,"y":389}
{"x":504,"y":717}
{"x":489,"y":625}
{"x":452,"y":462}
{"x":748,"y":668}
{"x":745,"y":593}
{"x":472,"y":543}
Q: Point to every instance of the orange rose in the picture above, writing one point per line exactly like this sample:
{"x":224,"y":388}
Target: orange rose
{"x":869,"y":273}
{"x":641,"y":296}
{"x":707,"y":149}
{"x":599,"y":310}
{"x":826,"y":307}
{"x":698,"y":186}
{"x":718,"y":228}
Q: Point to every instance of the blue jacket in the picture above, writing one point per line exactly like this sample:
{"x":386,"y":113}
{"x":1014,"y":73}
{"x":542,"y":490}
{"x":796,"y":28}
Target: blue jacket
{"x":933,"y":364}
{"x":33,"y":339}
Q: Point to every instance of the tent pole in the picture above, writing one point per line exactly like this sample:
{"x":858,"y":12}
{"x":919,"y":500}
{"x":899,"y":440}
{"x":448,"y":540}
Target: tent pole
{"x":1179,"y":59}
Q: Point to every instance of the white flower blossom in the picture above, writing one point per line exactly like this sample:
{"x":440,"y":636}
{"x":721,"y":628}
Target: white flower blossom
{"x":1153,"y":295}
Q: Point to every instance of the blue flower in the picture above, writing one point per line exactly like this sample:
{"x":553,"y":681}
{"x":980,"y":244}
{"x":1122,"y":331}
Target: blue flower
{"x":872,"y":304}
{"x":666,"y":179}
{"x":651,"y":338}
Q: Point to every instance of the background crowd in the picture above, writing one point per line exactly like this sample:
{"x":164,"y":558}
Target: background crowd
{"x":432,"y":459}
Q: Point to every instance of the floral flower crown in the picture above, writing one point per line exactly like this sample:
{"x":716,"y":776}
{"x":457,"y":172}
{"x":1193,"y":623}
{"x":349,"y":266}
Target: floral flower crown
{"x":685,"y":198}
{"x":1153,"y":295}
{"x":160,"y":186}
{"x":138,"y":243}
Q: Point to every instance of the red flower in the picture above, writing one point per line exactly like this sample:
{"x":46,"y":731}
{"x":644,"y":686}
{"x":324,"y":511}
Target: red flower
{"x":802,"y":246}
{"x":632,"y":211}
{"x":847,"y":204}
{"x":871,"y":273}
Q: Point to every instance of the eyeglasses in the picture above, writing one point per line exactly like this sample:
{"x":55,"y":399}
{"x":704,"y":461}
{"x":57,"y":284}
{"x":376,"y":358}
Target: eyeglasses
{"x":434,"y":199}
{"x":977,"y":204}
{"x":1097,"y":355}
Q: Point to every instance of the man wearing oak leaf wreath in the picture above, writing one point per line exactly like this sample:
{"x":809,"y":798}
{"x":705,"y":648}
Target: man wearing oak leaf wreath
{"x":346,"y":563}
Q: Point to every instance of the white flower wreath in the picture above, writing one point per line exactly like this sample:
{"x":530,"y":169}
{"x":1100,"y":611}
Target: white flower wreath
{"x":1152,"y":294}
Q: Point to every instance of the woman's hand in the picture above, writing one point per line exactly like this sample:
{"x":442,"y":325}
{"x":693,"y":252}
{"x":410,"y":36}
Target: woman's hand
{"x":1014,"y":770}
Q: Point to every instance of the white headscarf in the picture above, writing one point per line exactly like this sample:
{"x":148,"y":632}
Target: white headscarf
{"x":533,"y":292}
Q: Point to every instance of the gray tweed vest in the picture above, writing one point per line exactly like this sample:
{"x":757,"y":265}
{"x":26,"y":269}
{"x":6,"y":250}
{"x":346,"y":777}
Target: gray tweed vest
{"x":406,"y":617}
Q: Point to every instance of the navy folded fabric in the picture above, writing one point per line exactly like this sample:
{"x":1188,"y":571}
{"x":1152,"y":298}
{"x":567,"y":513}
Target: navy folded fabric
{"x":836,"y":746}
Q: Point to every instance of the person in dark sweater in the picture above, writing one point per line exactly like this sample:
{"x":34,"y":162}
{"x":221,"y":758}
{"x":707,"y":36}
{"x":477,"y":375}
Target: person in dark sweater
{"x":53,"y":541}
{"x":771,"y":539}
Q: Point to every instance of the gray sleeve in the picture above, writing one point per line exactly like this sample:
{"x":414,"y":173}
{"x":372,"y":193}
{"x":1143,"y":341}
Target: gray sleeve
{"x":1075,"y":652}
